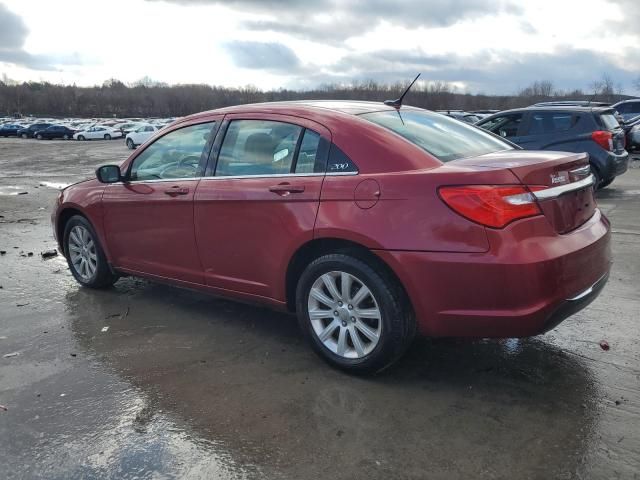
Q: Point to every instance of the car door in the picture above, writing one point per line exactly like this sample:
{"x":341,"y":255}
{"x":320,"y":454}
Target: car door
{"x":548,"y":130}
{"x":258,"y":200}
{"x":148,"y":218}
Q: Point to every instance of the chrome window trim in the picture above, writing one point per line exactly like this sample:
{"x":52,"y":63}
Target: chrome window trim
{"x":562,"y":189}
{"x":238,"y":177}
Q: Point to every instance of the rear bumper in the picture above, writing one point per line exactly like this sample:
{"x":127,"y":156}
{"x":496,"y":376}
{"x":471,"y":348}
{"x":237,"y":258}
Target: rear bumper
{"x":529,"y":281}
{"x":616,"y":165}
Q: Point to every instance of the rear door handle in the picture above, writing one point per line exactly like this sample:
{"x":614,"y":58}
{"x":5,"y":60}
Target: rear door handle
{"x":286,"y":188}
{"x":176,"y":190}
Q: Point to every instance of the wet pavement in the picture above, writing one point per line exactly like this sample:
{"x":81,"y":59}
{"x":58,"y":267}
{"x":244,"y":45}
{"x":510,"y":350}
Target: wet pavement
{"x":150,"y":381}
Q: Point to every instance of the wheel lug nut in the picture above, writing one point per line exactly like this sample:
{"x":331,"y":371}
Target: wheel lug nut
{"x":339,"y":304}
{"x":335,"y":313}
{"x":344,"y":324}
{"x":353,"y":319}
{"x":350,"y":307}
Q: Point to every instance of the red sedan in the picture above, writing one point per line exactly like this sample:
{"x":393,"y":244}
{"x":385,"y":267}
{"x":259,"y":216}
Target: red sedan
{"x":370,"y":222}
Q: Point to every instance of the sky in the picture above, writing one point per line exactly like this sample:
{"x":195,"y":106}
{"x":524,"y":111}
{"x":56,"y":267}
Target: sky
{"x":494,"y":47}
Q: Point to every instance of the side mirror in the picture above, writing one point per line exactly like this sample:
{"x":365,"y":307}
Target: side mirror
{"x":108,"y":174}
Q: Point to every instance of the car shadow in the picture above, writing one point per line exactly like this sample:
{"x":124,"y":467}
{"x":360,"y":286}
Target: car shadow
{"x":242,"y":377}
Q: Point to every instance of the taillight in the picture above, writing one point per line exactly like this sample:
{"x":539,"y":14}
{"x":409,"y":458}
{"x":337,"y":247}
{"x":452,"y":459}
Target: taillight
{"x":491,"y":205}
{"x":603,"y":138}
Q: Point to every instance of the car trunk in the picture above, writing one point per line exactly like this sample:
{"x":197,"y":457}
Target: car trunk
{"x":558,"y":179}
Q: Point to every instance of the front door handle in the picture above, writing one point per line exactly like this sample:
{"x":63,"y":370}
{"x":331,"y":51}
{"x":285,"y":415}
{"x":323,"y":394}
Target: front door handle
{"x":285,"y":189}
{"x":176,"y":190}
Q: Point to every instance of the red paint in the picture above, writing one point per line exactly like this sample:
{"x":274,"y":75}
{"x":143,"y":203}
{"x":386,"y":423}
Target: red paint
{"x":236,"y":237}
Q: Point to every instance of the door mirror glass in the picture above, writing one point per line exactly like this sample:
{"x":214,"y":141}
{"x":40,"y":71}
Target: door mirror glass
{"x":108,"y":174}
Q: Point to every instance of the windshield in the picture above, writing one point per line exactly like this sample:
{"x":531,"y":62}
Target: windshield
{"x":443,"y":137}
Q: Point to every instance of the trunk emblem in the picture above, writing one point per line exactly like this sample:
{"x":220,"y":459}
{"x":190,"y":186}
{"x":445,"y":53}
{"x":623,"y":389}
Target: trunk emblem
{"x":560,"y":177}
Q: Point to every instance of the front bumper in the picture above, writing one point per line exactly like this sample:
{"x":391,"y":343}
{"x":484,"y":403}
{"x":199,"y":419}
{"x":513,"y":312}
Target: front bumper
{"x":529,"y":281}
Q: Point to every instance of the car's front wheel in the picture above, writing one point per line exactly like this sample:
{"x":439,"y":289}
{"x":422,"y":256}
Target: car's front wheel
{"x":24,"y":135}
{"x":85,"y":256}
{"x":80,"y":137}
{"x":107,"y":137}
{"x":130,"y":144}
{"x":356,"y":317}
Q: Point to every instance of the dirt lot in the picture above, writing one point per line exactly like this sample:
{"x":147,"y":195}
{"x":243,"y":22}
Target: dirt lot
{"x":185,"y":385}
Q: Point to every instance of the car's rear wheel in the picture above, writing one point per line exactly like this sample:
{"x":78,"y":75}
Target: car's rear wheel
{"x":39,"y":137}
{"x":357,"y":318}
{"x":81,"y":137}
{"x":65,"y":137}
{"x":85,"y":256}
{"x":24,"y":135}
{"x":130,"y":144}
{"x":107,"y":137}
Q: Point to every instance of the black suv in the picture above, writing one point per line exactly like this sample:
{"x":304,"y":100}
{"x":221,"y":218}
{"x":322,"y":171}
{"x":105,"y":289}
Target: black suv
{"x":30,"y":131}
{"x":594,"y":130}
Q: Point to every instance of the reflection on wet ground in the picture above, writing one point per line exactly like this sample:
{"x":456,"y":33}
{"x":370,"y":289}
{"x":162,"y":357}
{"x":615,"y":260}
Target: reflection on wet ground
{"x":184,"y":385}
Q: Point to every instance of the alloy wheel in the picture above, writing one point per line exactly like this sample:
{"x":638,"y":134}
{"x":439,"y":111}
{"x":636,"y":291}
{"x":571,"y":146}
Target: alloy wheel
{"x":82,"y":252}
{"x":344,"y":314}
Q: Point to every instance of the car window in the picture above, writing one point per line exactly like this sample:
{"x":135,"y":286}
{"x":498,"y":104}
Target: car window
{"x":505,"y":125}
{"x":257,"y":147}
{"x":550,"y":122}
{"x":609,"y":121}
{"x":174,"y":155}
{"x":443,"y":137}
{"x":624,"y":108}
{"x":634,"y":107}
{"x":149,"y":129}
{"x":308,"y":157}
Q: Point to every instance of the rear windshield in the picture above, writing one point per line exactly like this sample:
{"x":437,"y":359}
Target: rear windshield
{"x":443,"y":137}
{"x":609,"y":121}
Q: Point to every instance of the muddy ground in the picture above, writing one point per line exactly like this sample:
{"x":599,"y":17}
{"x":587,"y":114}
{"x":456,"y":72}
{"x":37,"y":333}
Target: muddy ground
{"x":185,"y":385}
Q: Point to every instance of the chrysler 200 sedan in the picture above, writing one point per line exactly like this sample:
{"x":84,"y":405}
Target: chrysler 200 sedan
{"x":371,"y":223}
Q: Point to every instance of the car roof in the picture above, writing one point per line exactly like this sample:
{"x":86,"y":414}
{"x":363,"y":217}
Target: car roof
{"x":555,"y":108}
{"x":353,"y":107}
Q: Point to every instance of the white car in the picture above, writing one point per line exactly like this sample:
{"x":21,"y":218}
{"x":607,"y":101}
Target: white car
{"x":140,"y":135}
{"x":95,"y":133}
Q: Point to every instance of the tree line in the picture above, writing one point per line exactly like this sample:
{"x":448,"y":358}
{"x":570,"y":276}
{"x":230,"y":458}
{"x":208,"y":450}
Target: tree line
{"x":147,"y":98}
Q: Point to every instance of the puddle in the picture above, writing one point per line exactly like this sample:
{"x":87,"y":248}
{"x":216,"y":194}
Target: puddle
{"x":13,"y":190}
{"x":56,"y":185}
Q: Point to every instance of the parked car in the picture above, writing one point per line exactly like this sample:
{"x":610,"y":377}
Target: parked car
{"x":97,"y":133}
{"x":368,"y":224}
{"x":632,"y":132}
{"x":140,"y":135}
{"x":571,"y":103}
{"x":29,"y":131}
{"x":594,"y":130}
{"x":460,"y":115}
{"x":628,"y":109}
{"x":9,"y":130}
{"x":55,"y":131}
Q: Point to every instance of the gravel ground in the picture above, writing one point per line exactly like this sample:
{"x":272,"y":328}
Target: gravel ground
{"x":149,"y":381}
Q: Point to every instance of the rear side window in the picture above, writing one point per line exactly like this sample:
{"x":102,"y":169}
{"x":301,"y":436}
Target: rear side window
{"x":609,"y":121}
{"x":506,"y":126}
{"x":443,"y":137}
{"x":551,"y":122}
{"x":312,"y":154}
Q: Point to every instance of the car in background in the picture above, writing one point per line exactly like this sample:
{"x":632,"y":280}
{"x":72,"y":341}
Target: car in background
{"x":483,"y":113}
{"x":627,"y":109}
{"x":29,"y":131}
{"x":461,"y":115}
{"x":140,"y":135}
{"x":97,"y":133}
{"x":9,"y":130}
{"x":594,"y":130}
{"x":371,"y":222}
{"x":632,"y":131}
{"x":55,"y":131}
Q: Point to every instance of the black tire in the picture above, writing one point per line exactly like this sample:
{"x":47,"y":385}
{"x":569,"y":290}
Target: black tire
{"x":81,"y":137}
{"x":606,"y":183}
{"x":107,"y":136}
{"x":398,"y":324}
{"x":130,"y":144}
{"x":24,"y":135}
{"x":39,"y":137}
{"x":65,"y":137}
{"x":103,"y":276}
